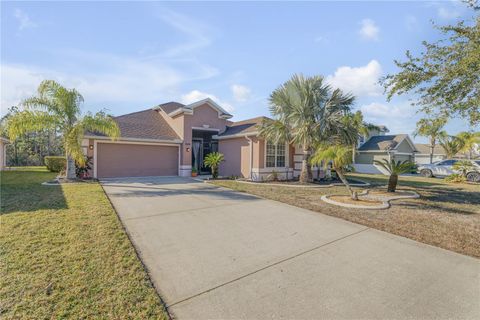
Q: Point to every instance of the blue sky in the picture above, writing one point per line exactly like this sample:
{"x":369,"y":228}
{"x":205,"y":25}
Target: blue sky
{"x":128,"y":56}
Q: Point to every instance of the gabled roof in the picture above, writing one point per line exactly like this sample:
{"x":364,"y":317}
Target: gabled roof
{"x":170,"y":107}
{"x":385,"y":143}
{"x":244,"y":127}
{"x":145,"y":125}
{"x":424,"y":148}
{"x":175,"y":108}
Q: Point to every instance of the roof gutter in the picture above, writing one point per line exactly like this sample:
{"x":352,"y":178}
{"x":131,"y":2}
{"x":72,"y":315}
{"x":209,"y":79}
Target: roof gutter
{"x":238,"y":135}
{"x":175,"y":141}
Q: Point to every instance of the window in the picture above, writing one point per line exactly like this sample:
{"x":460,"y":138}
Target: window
{"x":275,"y":155}
{"x":447,"y":163}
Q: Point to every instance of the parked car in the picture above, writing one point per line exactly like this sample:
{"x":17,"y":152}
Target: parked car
{"x":444,"y":168}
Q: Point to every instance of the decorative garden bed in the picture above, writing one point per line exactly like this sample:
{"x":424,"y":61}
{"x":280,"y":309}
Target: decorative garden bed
{"x":370,"y":199}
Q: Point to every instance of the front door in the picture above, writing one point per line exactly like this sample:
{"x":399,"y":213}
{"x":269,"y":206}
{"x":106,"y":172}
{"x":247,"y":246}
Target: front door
{"x":201,"y":147}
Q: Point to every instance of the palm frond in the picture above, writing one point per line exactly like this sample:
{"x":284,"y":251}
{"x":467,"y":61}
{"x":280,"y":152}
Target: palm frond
{"x":275,"y":131}
{"x":28,"y":121}
{"x":395,"y":167}
{"x":340,"y":156}
{"x":100,"y":123}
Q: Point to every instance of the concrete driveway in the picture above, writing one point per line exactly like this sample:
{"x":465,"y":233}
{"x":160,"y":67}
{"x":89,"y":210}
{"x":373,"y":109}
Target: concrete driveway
{"x":216,"y":253}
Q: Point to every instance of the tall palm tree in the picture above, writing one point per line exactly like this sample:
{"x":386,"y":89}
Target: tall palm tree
{"x":451,"y":144}
{"x":56,"y":107}
{"x":355,"y":124}
{"x":469,"y":141}
{"x":340,"y":157}
{"x":306,"y":110}
{"x":431,"y":128}
{"x":394,"y":168}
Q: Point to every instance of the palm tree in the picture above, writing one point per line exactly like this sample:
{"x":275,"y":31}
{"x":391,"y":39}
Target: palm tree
{"x":306,"y":111}
{"x":340,"y":156}
{"x":213,"y":160}
{"x":354,"y":123}
{"x":469,"y":141}
{"x":58,"y":108}
{"x":394,"y":168}
{"x":451,"y":144}
{"x":431,"y":128}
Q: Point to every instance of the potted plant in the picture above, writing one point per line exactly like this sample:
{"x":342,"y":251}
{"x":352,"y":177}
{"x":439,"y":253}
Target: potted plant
{"x":194,"y":172}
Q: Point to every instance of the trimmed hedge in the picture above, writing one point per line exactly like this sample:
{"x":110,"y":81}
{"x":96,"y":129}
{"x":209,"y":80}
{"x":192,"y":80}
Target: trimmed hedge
{"x":55,"y":163}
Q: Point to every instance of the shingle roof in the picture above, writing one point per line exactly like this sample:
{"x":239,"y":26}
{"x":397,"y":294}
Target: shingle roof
{"x":244,"y":126}
{"x":170,"y":106}
{"x":424,"y":148}
{"x":146,"y":124}
{"x":382,"y":143}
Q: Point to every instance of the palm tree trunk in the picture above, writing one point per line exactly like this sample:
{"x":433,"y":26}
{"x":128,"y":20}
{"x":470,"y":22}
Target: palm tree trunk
{"x":353,"y":194}
{"x":304,"y":173}
{"x":392,"y":183}
{"x":432,"y":147}
{"x":70,"y":168}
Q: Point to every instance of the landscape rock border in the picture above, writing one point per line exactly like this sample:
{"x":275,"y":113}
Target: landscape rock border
{"x":385,"y":200}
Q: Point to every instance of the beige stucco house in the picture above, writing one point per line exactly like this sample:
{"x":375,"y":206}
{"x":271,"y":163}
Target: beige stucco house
{"x":172,"y":138}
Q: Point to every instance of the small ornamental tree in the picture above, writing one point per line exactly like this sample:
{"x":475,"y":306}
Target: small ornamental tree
{"x":395,"y":168}
{"x":212,"y":160}
{"x":340,"y":157}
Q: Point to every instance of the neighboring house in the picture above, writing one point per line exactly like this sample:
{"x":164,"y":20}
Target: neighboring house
{"x":3,"y":152}
{"x":423,"y":154}
{"x":173,"y":138}
{"x":397,"y":147}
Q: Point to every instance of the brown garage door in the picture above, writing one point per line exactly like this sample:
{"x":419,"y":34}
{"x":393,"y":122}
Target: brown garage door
{"x":136,"y":160}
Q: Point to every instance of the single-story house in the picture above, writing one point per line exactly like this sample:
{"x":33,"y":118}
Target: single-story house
{"x":3,"y":152}
{"x":423,"y":154}
{"x":397,"y":147}
{"x":172,"y":138}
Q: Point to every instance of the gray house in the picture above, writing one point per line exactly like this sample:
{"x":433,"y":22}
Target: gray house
{"x":378,"y":147}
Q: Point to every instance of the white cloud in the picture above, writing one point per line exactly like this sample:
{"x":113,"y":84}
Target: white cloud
{"x":195,"y":31}
{"x":369,"y":30}
{"x":113,"y":80}
{"x":398,"y":117}
{"x":411,"y":23}
{"x":358,"y":80}
{"x":448,"y":13}
{"x":24,"y":20}
{"x":241,"y":93}
{"x":196,"y":95}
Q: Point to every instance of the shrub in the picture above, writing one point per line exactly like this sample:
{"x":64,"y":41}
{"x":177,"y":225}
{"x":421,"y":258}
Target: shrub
{"x":455,"y":178}
{"x":55,"y":163}
{"x":83,"y":171}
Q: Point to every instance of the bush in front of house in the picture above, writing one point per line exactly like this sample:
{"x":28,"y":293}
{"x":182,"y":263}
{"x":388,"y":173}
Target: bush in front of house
{"x":55,"y":163}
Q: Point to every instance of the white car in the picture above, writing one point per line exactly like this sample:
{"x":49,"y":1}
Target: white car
{"x":445,"y":168}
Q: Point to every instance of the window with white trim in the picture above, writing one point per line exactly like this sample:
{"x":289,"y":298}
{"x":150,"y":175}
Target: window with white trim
{"x":275,"y":155}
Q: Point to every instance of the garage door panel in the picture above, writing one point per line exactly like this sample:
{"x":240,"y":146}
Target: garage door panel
{"x":136,"y":160}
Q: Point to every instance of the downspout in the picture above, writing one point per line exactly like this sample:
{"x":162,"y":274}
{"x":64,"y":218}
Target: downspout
{"x":250,"y":142}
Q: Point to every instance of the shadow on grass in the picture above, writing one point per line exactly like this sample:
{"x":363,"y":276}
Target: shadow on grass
{"x":22,"y":191}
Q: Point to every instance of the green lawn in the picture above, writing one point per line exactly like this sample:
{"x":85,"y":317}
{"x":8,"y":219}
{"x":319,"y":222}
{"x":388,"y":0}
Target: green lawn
{"x":64,"y":254}
{"x":446,"y":215}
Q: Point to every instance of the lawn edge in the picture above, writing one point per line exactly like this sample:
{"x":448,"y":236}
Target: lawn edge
{"x":138,"y":254}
